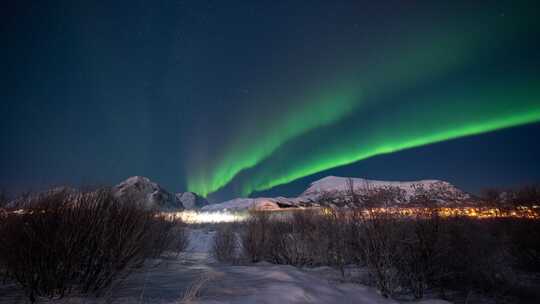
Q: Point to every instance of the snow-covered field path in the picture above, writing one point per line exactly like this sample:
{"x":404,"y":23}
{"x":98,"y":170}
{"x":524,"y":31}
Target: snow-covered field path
{"x":168,"y":281}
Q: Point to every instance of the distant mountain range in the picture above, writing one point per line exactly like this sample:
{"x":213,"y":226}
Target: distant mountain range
{"x":336,"y":191}
{"x":136,"y":189}
{"x":328,"y":191}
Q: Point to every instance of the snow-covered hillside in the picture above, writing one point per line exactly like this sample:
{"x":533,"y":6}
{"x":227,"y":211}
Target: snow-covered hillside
{"x":408,"y":189}
{"x":191,"y":200}
{"x":260,"y":203}
{"x":334,"y":189}
{"x":142,"y":190}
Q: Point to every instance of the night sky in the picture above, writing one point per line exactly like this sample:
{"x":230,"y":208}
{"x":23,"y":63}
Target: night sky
{"x":229,"y":98}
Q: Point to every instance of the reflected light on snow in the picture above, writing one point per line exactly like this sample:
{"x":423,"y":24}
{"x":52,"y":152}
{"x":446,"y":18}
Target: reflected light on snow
{"x":194,"y":217}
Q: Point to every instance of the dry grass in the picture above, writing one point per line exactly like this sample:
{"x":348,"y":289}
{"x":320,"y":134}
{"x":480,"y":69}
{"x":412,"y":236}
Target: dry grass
{"x":194,"y":290}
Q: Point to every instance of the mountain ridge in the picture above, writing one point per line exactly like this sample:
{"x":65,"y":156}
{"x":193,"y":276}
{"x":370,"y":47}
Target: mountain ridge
{"x":335,"y":191}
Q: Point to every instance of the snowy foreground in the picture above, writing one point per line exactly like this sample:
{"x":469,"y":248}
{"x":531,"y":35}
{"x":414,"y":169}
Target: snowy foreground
{"x":197,"y":278}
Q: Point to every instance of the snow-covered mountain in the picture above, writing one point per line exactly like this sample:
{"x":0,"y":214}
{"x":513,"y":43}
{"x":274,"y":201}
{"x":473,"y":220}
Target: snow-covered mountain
{"x":328,"y":191}
{"x":334,"y":190}
{"x":191,"y":200}
{"x":142,"y":190}
{"x":135,"y":189}
{"x":402,"y":191}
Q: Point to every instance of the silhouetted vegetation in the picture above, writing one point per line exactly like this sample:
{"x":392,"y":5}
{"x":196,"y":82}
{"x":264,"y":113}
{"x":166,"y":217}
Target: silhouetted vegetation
{"x":65,"y":242}
{"x":526,"y":195}
{"x":404,"y":255}
{"x":225,"y":244}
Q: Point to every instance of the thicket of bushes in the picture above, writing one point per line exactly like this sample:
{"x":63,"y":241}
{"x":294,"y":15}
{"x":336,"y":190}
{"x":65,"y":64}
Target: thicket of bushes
{"x":402,"y":255}
{"x":225,"y":245}
{"x":81,"y":242}
{"x":526,"y":195}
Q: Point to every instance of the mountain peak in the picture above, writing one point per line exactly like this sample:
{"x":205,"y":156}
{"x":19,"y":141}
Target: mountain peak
{"x":341,"y":184}
{"x":142,"y":190}
{"x":191,"y":200}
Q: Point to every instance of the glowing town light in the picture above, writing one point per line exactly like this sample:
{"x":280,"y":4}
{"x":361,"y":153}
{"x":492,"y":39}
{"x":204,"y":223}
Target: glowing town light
{"x":194,"y":217}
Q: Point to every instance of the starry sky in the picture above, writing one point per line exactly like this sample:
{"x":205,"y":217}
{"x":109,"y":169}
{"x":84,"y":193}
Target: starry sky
{"x":230,"y":98}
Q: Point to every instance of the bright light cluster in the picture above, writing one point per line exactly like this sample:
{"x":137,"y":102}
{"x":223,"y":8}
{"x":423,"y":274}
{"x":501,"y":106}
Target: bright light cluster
{"x":532,"y":212}
{"x":194,"y":217}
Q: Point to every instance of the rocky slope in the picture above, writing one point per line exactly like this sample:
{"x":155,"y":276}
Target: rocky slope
{"x":142,"y":190}
{"x":191,"y":200}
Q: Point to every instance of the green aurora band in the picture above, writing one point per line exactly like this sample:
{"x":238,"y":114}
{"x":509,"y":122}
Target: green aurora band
{"x":410,"y":125}
{"x":332,"y":103}
{"x":321,"y":113}
{"x":340,"y":122}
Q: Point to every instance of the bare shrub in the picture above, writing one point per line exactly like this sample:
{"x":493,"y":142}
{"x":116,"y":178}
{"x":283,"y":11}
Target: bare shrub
{"x":413,"y":254}
{"x":168,"y":234}
{"x":306,"y":238}
{"x":289,"y":248}
{"x":334,"y":226}
{"x":287,"y":245}
{"x":225,"y":244}
{"x":524,"y":243}
{"x":472,"y":257}
{"x":419,"y":266}
{"x":491,"y":196}
{"x":380,"y":251}
{"x":180,"y":240}
{"x":526,"y":195}
{"x":255,"y":242}
{"x":402,"y":254}
{"x":65,"y":242}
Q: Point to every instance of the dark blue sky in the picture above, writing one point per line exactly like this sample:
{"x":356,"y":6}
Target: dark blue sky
{"x":96,"y":91}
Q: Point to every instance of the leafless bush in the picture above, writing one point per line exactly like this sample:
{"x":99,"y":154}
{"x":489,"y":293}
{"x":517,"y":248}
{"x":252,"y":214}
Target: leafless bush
{"x":255,"y":242}
{"x":526,"y":195}
{"x":225,"y":244}
{"x":491,"y":196}
{"x":306,"y":238}
{"x":473,"y":257}
{"x":381,"y":197}
{"x":334,"y":227}
{"x":414,"y":254}
{"x":419,"y":265}
{"x":403,"y":254}
{"x":380,"y":252}
{"x":65,"y":242}
{"x":287,"y":245}
{"x":524,"y":243}
{"x":168,"y":234}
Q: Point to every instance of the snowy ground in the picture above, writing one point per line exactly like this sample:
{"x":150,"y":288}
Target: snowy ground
{"x":167,"y":281}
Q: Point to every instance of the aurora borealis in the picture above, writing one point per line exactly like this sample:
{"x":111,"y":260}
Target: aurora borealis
{"x":394,"y":133}
{"x":236,"y":98}
{"x":420,"y":60}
